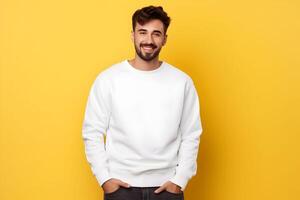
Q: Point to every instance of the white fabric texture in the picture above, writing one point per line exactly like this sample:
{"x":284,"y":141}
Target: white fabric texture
{"x":142,"y":127}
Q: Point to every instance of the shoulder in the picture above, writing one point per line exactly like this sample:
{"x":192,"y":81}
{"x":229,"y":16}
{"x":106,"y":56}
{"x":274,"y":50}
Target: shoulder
{"x":107,"y":74}
{"x":179,"y":74}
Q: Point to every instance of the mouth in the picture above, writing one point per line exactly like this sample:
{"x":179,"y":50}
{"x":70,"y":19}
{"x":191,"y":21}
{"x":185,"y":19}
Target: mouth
{"x":148,"y":48}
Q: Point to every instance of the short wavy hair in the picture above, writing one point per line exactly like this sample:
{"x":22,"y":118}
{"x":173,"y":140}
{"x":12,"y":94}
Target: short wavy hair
{"x":148,"y":13}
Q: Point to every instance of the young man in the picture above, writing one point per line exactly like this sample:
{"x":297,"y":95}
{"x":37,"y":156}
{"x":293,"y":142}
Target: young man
{"x":149,"y":112}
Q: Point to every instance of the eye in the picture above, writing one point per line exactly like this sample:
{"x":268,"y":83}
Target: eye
{"x":142,"y":33}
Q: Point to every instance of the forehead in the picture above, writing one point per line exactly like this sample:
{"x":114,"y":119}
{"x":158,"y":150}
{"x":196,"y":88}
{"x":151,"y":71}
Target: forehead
{"x":154,"y":24}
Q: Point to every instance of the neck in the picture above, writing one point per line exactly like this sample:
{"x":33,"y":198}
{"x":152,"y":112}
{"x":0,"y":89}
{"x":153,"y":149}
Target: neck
{"x":145,"y":65}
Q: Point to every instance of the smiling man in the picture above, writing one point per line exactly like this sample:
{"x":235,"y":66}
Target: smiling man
{"x":150,"y":114}
{"x":148,"y":40}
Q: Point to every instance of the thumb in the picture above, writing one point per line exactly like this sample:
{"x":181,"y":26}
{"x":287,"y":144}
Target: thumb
{"x":161,"y":188}
{"x":123,"y":184}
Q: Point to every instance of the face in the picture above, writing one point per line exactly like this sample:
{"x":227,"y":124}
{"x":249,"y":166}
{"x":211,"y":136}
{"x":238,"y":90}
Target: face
{"x":149,"y":39}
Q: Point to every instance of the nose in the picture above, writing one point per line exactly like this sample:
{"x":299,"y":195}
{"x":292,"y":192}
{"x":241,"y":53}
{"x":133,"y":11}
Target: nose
{"x":149,"y":39}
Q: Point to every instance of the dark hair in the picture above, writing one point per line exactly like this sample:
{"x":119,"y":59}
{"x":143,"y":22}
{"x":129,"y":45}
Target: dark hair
{"x":148,"y":13}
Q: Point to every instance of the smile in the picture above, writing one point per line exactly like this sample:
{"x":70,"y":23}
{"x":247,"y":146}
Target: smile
{"x":147,"y":48}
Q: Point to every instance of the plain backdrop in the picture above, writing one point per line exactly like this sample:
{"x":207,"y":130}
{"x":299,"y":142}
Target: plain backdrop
{"x":242,"y":55}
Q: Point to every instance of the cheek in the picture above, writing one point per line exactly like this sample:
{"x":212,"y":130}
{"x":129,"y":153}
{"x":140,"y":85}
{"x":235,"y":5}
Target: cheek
{"x":158,"y":41}
{"x":137,"y":42}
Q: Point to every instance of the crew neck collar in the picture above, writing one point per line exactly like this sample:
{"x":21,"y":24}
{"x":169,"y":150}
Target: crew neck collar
{"x":129,"y":66}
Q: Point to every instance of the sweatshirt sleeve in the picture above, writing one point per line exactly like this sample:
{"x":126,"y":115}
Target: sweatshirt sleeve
{"x":191,"y":129}
{"x":95,"y":124}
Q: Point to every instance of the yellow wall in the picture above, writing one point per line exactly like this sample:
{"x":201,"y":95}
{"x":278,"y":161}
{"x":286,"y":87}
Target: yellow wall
{"x":242,"y":55}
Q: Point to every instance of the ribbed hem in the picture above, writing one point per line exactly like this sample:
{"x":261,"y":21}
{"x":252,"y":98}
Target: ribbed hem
{"x":145,"y":179}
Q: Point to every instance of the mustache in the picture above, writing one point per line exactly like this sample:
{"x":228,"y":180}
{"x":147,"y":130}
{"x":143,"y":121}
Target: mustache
{"x":148,"y":45}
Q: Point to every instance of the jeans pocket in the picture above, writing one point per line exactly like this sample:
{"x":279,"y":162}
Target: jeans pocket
{"x":114,"y":192}
{"x":175,"y":194}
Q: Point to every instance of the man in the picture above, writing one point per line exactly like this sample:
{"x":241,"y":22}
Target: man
{"x":149,"y":112}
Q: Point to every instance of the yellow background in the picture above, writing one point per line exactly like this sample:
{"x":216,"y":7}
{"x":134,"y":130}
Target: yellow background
{"x":242,"y":55}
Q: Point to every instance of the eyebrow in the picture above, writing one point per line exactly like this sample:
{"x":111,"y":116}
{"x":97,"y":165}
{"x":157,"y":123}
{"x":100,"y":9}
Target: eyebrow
{"x":156,"y":31}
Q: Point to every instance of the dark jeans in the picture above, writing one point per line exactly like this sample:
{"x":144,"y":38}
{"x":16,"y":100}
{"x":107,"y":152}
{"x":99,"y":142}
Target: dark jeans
{"x":142,"y":193}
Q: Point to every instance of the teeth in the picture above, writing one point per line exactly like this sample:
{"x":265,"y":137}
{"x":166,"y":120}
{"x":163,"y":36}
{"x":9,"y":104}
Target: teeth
{"x":148,"y":48}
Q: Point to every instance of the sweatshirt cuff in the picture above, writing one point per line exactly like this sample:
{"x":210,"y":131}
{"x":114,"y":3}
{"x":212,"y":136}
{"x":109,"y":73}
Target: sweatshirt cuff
{"x":180,"y":181}
{"x":103,"y":177}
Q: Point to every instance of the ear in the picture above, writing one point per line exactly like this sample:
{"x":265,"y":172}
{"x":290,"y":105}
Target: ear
{"x":132,"y":36}
{"x":165,"y":40}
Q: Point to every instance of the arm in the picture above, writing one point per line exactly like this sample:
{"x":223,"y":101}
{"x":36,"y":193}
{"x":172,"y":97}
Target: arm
{"x":94,"y":127}
{"x":191,"y":129}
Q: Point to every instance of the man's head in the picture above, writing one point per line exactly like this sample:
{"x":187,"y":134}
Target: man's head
{"x":150,"y":25}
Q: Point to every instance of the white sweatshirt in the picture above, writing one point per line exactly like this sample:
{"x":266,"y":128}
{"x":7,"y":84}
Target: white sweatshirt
{"x":151,"y":120}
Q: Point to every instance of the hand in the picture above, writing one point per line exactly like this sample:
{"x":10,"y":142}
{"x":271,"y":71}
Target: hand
{"x":170,"y":187}
{"x":113,"y":184}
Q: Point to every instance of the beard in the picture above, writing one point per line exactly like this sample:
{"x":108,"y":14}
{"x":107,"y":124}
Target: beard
{"x":146,"y":56}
